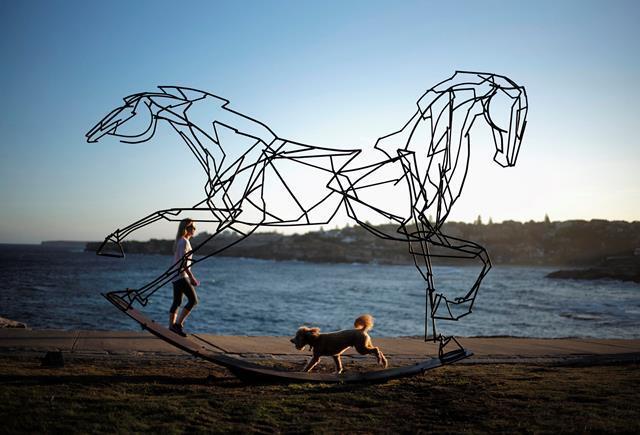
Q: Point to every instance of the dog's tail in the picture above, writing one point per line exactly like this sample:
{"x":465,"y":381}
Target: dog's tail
{"x":364,"y":322}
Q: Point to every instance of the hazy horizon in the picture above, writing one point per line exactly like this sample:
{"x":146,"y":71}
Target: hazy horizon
{"x":304,"y":230}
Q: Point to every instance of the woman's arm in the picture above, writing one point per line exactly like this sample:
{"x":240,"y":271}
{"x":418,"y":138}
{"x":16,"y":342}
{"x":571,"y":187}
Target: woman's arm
{"x":192,"y":279}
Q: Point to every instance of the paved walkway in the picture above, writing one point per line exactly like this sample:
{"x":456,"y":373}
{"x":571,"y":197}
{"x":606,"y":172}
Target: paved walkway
{"x":498,"y":349}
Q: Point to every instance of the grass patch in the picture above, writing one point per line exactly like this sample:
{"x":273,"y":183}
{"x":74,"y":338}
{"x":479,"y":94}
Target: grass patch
{"x":174,"y":395}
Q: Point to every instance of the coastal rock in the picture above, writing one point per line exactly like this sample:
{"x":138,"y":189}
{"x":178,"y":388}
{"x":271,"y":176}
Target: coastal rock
{"x":623,"y":268}
{"x":8,"y":323}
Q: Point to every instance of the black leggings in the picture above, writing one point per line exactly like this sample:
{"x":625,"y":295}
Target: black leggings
{"x":183,"y":287}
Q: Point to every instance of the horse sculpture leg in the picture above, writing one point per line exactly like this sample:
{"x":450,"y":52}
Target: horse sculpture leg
{"x":467,"y":250}
{"x":444,"y":308}
{"x":143,"y":293}
{"x":437,"y":305}
{"x":112,"y":244}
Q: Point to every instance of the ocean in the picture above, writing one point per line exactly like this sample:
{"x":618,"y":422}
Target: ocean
{"x":55,"y":288}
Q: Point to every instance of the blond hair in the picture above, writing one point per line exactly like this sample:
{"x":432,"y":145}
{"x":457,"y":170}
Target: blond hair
{"x":182,"y":230}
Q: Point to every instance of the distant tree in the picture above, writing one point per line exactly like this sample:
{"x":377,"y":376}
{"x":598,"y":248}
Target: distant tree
{"x":478,"y":220}
{"x":546,"y":219}
{"x":490,"y":221}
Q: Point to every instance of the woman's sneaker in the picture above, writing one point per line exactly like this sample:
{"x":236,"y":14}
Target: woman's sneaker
{"x":177,"y":329}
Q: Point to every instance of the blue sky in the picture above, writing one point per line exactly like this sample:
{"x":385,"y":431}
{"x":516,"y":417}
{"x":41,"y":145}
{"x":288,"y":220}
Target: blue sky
{"x":337,"y":74}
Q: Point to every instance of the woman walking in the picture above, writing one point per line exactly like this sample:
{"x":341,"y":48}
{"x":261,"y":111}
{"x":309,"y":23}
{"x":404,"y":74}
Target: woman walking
{"x":185,"y":282}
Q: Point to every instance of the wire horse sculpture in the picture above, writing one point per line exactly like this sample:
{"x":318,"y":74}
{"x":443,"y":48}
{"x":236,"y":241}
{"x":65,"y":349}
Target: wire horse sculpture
{"x":248,"y":187}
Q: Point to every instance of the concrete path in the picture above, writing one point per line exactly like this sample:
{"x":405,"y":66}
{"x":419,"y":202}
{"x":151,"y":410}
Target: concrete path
{"x":499,"y":349}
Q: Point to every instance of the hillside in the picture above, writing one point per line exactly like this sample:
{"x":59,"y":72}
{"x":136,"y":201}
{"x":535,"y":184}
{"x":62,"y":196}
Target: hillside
{"x":575,"y":243}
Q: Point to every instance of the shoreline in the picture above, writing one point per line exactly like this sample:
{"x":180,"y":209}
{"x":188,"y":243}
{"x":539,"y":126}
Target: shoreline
{"x":390,"y":337}
{"x":559,"y":266}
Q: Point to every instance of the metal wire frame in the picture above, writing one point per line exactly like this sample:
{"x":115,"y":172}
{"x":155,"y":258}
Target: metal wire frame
{"x":426,"y":162}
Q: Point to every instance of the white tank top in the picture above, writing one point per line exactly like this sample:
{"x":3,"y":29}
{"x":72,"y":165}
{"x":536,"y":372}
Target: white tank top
{"x":182,"y":247}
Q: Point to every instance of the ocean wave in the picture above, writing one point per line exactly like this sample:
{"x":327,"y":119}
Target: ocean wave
{"x":581,"y":316}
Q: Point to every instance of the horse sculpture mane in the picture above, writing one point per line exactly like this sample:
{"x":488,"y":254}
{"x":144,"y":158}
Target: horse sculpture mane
{"x":424,"y":164}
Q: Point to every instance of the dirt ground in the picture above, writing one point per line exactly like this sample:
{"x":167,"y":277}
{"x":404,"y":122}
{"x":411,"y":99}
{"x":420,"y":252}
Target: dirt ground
{"x":107,"y":394}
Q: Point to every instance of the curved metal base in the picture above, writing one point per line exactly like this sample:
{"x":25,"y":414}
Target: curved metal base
{"x":251,"y":372}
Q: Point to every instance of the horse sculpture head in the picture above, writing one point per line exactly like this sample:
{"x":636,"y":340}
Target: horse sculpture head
{"x":505,"y":110}
{"x":132,"y":122}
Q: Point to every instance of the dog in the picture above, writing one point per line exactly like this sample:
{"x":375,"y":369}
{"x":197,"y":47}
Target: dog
{"x":335,"y":343}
